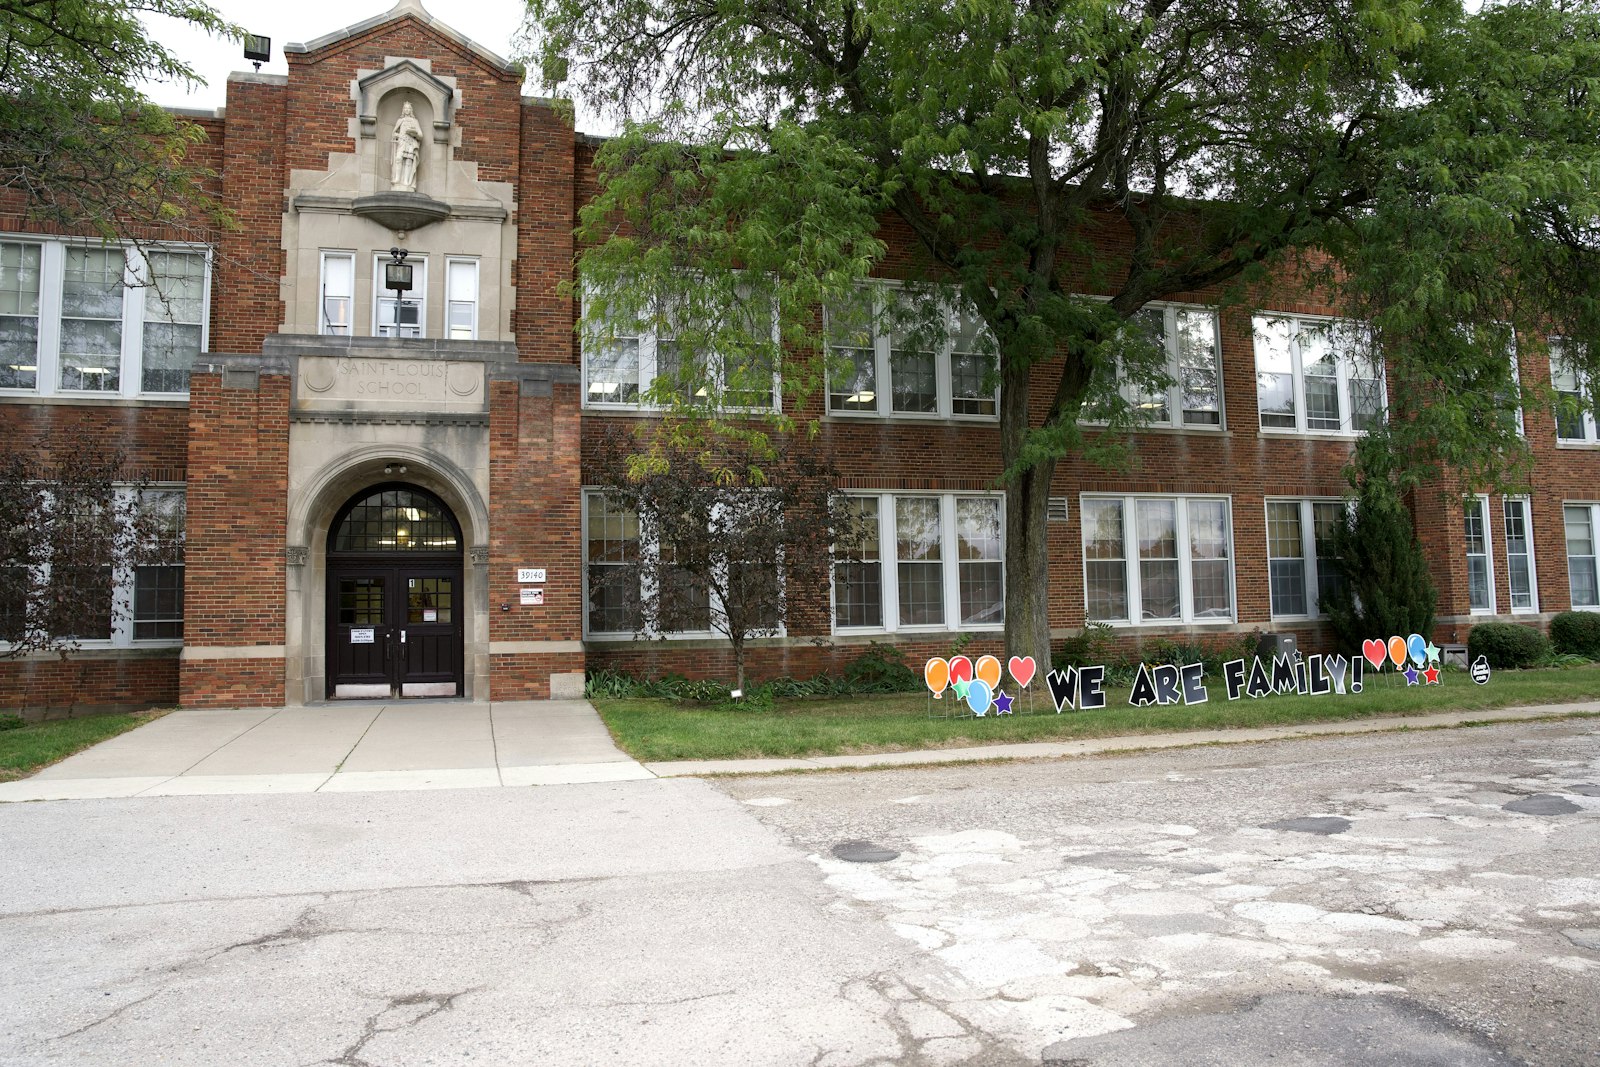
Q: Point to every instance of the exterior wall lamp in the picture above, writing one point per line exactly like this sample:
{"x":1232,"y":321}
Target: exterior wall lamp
{"x":397,"y":275}
{"x":257,"y":49}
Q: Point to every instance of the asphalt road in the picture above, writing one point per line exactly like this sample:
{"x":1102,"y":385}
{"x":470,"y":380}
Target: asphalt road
{"x":1349,"y":900}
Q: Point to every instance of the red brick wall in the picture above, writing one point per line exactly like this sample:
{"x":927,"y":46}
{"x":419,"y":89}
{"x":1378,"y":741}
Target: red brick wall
{"x":238,"y":466}
{"x":90,"y":680}
{"x":533,"y":522}
{"x":246,"y":305}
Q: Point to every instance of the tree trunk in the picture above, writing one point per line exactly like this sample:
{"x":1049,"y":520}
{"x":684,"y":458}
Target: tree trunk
{"x":1028,"y":564}
{"x":738,"y":666}
{"x":1027,"y":502}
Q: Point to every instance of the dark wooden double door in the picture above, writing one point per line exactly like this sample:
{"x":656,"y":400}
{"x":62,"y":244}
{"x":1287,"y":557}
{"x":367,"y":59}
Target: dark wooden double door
{"x":394,"y":629}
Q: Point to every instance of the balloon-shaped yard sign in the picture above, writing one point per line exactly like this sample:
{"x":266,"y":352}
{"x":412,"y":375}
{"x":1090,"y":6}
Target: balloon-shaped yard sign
{"x":936,"y":672}
{"x":987,"y":670}
{"x":979,"y":697}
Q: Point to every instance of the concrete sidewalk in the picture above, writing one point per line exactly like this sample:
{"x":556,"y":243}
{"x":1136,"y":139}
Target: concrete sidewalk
{"x":373,"y":746}
{"x":354,"y":746}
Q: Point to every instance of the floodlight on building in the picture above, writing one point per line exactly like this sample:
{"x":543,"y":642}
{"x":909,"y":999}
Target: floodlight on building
{"x":257,"y":49}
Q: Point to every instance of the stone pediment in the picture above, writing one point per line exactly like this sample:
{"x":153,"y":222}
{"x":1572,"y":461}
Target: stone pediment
{"x":405,"y":74}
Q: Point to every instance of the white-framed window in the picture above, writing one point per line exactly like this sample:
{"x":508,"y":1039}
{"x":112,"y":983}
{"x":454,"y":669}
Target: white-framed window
{"x":137,"y":603}
{"x":1316,"y":376}
{"x":79,"y":317}
{"x":948,"y":564}
{"x":1157,"y":559}
{"x":893,"y":351}
{"x":405,"y":315}
{"x":623,"y":360}
{"x":1301,"y":567}
{"x":1583,"y":525}
{"x":1480,"y":558}
{"x":616,"y":586}
{"x":337,"y":289}
{"x":1575,"y":410}
{"x":1521,"y":576}
{"x":461,"y":299}
{"x":1188,"y":335}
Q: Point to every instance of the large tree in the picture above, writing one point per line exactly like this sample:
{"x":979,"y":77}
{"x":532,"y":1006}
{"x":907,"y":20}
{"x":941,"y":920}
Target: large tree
{"x":1433,"y":170}
{"x":80,"y":145}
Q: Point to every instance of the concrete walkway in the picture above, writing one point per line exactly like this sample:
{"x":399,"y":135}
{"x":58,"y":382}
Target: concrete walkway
{"x":347,"y":747}
{"x":371,"y":746}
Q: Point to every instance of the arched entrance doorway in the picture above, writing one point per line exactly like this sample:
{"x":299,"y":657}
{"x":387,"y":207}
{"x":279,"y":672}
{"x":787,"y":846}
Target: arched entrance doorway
{"x":395,"y":605}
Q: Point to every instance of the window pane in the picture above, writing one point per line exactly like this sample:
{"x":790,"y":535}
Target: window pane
{"x":1157,"y":525}
{"x":1150,"y":324}
{"x":914,"y":382}
{"x":1210,"y":586}
{"x":338,"y":293}
{"x":1105,"y":567}
{"x":1286,"y":568}
{"x":1327,"y":517}
{"x":1274,"y":372}
{"x":1321,"y":378}
{"x":918,"y":543}
{"x":972,"y":363}
{"x":1478,"y":592}
{"x":1581,"y":569}
{"x":614,"y":371}
{"x":979,"y":552}
{"x":858,"y":574}
{"x":1198,"y":376}
{"x":1568,"y":382}
{"x":855,"y":380}
{"x":612,"y":551}
{"x":1519,"y":570}
{"x":157,"y":603}
{"x":81,"y":602}
{"x":392,"y":520}
{"x":91,"y":319}
{"x":19,"y":315}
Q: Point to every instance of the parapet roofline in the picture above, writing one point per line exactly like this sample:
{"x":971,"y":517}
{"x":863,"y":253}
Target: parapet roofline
{"x":401,"y":9}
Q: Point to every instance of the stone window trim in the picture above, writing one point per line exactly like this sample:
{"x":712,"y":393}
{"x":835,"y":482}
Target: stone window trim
{"x":134,"y":588}
{"x":142,"y":310}
{"x":589,"y":496}
{"x":1352,"y":377}
{"x":1134,"y":555}
{"x":628,"y":386}
{"x":957,"y":560}
{"x":965,"y":341}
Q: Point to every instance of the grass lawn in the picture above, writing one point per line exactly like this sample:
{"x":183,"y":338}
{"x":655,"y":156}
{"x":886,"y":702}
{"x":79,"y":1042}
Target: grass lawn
{"x":27,"y":748}
{"x":650,"y":729}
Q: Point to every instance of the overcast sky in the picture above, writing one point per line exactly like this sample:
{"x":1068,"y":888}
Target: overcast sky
{"x":491,"y":23}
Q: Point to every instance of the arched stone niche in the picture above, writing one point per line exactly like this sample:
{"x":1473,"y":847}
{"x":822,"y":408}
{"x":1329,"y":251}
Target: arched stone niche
{"x":382,"y":97}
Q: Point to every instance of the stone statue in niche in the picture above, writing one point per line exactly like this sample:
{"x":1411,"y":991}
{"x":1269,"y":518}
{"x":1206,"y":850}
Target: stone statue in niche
{"x":407,"y":151}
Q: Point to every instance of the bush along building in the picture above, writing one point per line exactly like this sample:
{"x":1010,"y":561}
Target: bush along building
{"x":381,"y":460}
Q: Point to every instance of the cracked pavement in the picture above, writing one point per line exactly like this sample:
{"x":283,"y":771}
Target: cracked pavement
{"x":1415,"y":899}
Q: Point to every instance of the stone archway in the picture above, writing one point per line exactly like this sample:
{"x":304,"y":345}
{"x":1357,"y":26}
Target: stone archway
{"x":314,"y":503}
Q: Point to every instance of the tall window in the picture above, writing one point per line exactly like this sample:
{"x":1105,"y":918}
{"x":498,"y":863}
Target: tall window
{"x":1575,"y":411}
{"x":461,"y":299}
{"x":1520,"y":574}
{"x":948,"y":573}
{"x":1583,"y":521}
{"x":98,"y":318}
{"x":338,"y":293}
{"x":1151,"y":559}
{"x":1316,"y":375}
{"x":1188,"y":338}
{"x":1301,"y":568}
{"x":405,"y":315}
{"x":20,"y":272}
{"x":1480,"y":569}
{"x":611,"y":553}
{"x":858,"y":571}
{"x":898,"y":351}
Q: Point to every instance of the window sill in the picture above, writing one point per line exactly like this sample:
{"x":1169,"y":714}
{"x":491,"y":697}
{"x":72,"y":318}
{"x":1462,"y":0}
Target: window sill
{"x":1169,"y":431}
{"x":919,"y":631}
{"x":907,"y":419}
{"x":1311,"y":435}
{"x":165,"y":400}
{"x":1160,"y":625}
{"x":639,"y":411}
{"x":1578,"y":446}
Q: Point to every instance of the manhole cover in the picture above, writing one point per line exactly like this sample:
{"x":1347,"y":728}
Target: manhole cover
{"x":863,"y":852}
{"x":1311,"y":824}
{"x":1542,"y":804}
{"x":1584,"y":789}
